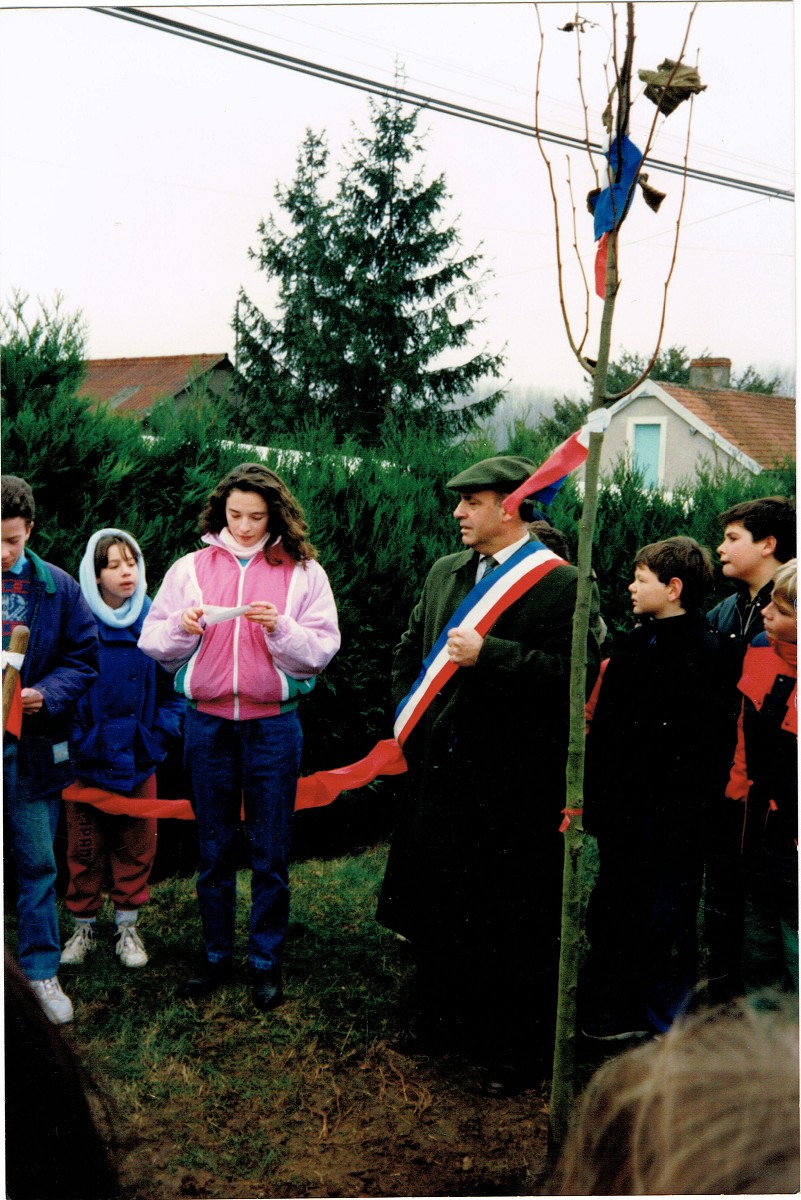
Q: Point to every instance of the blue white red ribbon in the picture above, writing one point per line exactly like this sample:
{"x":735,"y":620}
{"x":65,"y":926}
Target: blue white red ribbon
{"x":479,"y":610}
{"x":547,"y":479}
{"x":610,"y":206}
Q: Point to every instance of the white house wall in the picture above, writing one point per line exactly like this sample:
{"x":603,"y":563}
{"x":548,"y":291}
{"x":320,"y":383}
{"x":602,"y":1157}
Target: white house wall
{"x":684,"y":447}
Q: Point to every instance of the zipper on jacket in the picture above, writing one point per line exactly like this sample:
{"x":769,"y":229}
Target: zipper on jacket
{"x":237,"y":631}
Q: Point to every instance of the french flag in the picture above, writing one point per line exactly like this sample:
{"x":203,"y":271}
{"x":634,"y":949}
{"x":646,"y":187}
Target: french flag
{"x":547,"y":479}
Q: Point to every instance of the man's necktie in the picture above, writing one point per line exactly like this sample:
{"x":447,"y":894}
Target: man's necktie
{"x":489,"y":565}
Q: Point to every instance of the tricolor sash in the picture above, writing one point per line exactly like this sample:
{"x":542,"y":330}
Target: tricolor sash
{"x":479,"y":610}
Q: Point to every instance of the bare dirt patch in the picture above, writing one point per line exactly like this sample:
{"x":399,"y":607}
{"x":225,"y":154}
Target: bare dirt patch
{"x":371,"y":1124}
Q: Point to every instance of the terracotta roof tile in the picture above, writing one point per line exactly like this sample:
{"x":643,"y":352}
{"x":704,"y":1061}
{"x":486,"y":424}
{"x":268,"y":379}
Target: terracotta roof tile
{"x":761,"y":426}
{"x":135,"y":384}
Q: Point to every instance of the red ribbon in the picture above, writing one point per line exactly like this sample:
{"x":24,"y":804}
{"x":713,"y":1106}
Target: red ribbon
{"x":600,"y":265}
{"x":568,"y":813}
{"x":314,"y":791}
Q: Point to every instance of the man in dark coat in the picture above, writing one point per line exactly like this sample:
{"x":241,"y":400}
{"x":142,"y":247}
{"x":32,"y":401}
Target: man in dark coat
{"x":474,"y":873}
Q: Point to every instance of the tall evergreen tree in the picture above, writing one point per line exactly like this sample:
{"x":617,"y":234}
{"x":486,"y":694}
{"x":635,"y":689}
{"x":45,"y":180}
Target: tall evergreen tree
{"x":412,"y":298}
{"x":289,"y":365}
{"x":376,"y":308}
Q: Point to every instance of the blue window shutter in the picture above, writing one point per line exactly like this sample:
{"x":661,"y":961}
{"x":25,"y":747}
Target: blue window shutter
{"x":647,"y":441}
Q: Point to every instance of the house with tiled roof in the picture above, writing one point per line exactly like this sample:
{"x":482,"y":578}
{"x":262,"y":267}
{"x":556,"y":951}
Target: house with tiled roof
{"x":134,"y":385}
{"x":668,"y":431}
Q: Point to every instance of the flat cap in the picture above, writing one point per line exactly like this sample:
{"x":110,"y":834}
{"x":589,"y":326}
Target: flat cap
{"x":503,"y":473}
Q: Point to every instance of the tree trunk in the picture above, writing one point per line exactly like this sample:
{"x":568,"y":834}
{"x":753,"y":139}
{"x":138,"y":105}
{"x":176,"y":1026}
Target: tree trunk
{"x":563,"y":1079}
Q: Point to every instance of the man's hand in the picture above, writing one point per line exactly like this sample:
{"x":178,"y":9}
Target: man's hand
{"x":32,"y":700}
{"x":464,"y":646}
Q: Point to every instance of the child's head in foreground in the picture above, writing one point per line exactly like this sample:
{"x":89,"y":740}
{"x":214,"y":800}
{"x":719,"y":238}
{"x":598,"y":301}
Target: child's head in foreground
{"x":711,"y":1108}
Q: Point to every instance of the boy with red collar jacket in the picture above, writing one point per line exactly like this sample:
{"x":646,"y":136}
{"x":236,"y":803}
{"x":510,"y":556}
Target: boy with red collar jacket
{"x":758,"y":536}
{"x":765,"y":778}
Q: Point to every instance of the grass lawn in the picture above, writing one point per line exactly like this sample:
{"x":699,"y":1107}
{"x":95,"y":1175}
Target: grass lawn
{"x":216,"y":1099}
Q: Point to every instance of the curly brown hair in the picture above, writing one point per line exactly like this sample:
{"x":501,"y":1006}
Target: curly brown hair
{"x":286,"y":519}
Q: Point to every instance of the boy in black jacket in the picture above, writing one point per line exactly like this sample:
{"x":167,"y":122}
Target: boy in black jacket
{"x":658,"y":747}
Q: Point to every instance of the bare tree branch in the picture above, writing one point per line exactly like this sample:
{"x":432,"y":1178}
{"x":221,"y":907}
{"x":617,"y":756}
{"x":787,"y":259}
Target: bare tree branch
{"x":584,"y":105}
{"x":579,"y":259}
{"x":559,"y":267}
{"x":666,"y":286}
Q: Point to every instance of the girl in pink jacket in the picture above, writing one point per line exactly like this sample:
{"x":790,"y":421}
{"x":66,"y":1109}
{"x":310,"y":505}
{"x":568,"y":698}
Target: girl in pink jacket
{"x":246,"y":623}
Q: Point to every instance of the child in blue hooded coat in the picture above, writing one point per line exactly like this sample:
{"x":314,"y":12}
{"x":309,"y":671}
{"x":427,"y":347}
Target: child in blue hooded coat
{"x":123,"y":730}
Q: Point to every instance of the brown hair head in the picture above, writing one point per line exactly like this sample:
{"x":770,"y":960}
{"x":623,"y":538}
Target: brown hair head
{"x":551,"y":537}
{"x":286,"y":519}
{"x":772,"y":516}
{"x":103,"y":546}
{"x":17,"y":499}
{"x":680,"y":558}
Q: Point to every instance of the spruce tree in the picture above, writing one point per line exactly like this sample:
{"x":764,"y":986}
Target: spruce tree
{"x":412,"y":298}
{"x":376,"y":310}
{"x":289,"y":365}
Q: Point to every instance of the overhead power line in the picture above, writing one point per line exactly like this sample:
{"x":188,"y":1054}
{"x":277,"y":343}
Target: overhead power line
{"x":362,"y":83}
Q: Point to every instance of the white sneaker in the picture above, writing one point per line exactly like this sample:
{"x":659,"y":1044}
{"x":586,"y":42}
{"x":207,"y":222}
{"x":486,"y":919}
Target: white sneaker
{"x":57,"y":1006}
{"x":78,"y":946}
{"x":129,"y":946}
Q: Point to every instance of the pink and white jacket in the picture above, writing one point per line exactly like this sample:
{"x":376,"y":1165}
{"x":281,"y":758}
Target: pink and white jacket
{"x":237,"y":670}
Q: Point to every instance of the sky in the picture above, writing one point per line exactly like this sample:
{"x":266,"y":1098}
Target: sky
{"x":135,"y":168}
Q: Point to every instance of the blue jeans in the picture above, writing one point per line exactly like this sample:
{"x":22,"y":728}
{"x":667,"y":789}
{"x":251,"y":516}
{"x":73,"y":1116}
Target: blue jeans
{"x":228,"y":763}
{"x":31,"y":824}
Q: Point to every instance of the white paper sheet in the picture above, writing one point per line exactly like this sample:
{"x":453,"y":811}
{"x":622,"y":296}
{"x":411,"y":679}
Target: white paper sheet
{"x":214,"y":613}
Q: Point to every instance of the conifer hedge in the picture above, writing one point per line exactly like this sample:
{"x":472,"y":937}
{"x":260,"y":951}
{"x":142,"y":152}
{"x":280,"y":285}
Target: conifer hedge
{"x":378,"y":520}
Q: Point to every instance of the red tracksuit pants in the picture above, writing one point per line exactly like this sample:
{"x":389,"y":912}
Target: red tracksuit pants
{"x":109,"y":853}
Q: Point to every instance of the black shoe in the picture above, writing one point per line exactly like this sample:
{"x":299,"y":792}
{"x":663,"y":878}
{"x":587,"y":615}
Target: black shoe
{"x":501,"y":1081}
{"x":266,"y":989}
{"x":208,"y":980}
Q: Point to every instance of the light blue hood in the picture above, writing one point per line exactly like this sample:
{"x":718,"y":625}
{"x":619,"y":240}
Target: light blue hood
{"x":126,"y":614}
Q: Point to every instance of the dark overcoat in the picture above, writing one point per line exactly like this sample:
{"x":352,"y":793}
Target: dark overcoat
{"x":660,"y":743}
{"x":475,"y":862}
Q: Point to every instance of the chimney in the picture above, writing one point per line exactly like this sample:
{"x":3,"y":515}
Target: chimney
{"x":710,"y":373}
